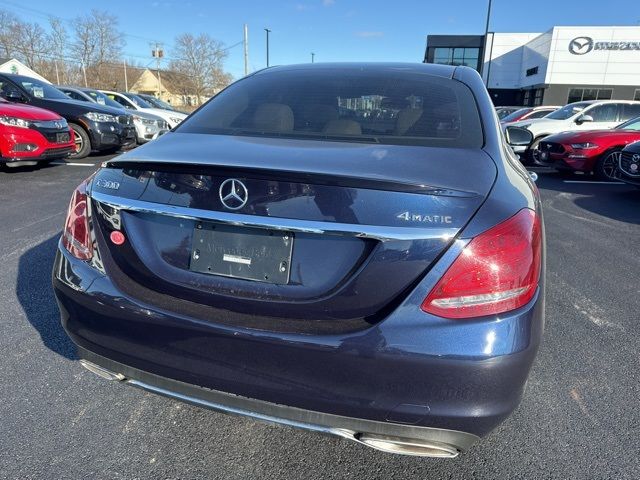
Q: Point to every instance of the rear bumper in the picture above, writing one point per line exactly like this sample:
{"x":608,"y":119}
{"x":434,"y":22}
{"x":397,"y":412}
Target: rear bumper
{"x":409,"y":372}
{"x":395,"y":438}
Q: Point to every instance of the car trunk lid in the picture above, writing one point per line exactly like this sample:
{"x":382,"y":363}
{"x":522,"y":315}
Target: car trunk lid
{"x":356,"y":225}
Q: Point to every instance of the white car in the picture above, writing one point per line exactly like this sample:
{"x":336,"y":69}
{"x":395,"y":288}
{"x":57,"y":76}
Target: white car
{"x":590,"y":115}
{"x":133,"y":102}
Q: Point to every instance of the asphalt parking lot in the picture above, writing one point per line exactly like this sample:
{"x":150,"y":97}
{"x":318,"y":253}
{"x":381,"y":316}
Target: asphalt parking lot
{"x":579,"y":418}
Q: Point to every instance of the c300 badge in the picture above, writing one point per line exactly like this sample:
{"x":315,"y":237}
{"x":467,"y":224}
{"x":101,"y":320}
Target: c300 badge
{"x":110,"y":184}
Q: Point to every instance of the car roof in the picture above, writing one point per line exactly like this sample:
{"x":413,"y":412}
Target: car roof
{"x":16,"y":76}
{"x":591,"y":102}
{"x":68,"y":87}
{"x":373,"y":67}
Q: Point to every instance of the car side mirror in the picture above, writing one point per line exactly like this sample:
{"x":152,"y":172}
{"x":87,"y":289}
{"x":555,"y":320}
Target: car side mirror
{"x":518,"y":136}
{"x":584,"y":118}
{"x":14,"y":95}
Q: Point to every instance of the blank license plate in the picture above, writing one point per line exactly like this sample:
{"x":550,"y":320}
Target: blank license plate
{"x":62,"y":137}
{"x":242,"y":252}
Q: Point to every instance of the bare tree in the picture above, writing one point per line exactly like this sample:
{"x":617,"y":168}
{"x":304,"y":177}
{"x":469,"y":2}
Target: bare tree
{"x":9,"y":26}
{"x":57,"y":41}
{"x":200,"y":57}
{"x":97,"y":42}
{"x":31,"y":43}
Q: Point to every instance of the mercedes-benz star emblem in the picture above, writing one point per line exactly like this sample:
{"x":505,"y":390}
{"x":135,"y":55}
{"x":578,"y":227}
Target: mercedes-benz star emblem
{"x":233,"y":194}
{"x":581,"y":45}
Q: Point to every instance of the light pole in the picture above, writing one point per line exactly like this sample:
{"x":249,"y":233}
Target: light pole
{"x":268,"y":32}
{"x":484,"y":49}
{"x":313,"y":56}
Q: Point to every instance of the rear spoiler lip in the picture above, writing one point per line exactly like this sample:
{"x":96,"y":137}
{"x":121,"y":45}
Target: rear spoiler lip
{"x":310,"y":177}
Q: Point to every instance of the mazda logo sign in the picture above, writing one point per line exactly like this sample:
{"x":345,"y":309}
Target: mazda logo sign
{"x":233,"y":194}
{"x":581,"y":45}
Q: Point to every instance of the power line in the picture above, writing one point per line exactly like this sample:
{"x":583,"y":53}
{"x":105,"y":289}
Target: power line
{"x":42,"y":13}
{"x":48,"y":16}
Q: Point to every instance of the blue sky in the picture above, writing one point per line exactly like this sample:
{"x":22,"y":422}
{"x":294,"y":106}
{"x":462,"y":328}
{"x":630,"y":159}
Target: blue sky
{"x":336,"y":30}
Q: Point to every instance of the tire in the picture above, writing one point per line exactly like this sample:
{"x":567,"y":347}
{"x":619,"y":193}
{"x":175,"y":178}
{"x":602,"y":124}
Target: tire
{"x":607,"y":164}
{"x":83,"y":142}
{"x":532,"y":149}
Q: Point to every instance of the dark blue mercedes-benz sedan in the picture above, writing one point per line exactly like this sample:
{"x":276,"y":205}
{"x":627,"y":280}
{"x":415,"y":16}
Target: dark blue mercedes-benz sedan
{"x":346,"y":248}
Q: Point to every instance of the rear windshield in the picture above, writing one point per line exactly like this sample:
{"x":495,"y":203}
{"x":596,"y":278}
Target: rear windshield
{"x":382,"y":106}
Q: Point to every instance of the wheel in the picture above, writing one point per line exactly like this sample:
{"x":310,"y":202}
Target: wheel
{"x":533,"y":154}
{"x":607,"y":164}
{"x":83,"y":143}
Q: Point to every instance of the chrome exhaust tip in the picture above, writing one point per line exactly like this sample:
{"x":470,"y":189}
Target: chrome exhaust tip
{"x":408,"y":446}
{"x":102,"y":372}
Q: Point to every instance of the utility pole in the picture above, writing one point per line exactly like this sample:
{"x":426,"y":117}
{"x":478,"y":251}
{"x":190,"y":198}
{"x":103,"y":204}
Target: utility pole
{"x":313,"y":56}
{"x":246,"y":49}
{"x":158,"y":54}
{"x":268,"y":32}
{"x":126,"y":84}
{"x":84,"y":72}
{"x":55,"y":62}
{"x":484,"y":49}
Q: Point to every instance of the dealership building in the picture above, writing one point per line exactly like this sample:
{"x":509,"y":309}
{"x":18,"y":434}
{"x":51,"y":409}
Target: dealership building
{"x":563,"y":65}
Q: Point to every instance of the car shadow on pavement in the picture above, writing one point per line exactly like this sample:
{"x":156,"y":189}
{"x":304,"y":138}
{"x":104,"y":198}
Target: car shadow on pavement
{"x":35,"y":294}
{"x":623,"y":205}
{"x":615,"y":201}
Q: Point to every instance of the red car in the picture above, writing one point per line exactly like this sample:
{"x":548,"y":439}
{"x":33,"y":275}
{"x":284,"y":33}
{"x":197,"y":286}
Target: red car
{"x":29,"y":135}
{"x":526,"y":113}
{"x":596,"y":151}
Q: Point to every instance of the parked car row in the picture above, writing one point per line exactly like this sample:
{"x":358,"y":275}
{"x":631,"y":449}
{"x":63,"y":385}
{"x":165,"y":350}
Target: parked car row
{"x":40,"y":122}
{"x":584,"y":137}
{"x":148,"y":126}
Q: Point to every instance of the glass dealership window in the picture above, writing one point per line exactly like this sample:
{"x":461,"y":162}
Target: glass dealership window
{"x":537,"y":99}
{"x":636,"y":96}
{"x":583,"y":94}
{"x":457,"y":56}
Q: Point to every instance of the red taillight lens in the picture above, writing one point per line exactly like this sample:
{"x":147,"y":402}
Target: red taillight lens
{"x":496,"y":272}
{"x":76,"y":237}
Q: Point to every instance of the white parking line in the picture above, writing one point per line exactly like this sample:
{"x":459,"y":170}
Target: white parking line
{"x":74,"y":164}
{"x":589,"y":181}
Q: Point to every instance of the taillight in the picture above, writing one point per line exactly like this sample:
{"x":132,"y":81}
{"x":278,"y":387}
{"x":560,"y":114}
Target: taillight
{"x":76,"y":237}
{"x":497,"y":271}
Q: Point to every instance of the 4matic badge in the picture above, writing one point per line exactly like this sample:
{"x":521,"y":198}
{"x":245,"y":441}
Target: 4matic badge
{"x":418,"y":217}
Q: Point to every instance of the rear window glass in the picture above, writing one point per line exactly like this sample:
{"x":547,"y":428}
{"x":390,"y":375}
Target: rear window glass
{"x":381,"y":106}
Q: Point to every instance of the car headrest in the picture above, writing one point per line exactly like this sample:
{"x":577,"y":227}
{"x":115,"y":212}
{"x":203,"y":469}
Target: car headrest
{"x":342,"y":127}
{"x":273,"y":117}
{"x":317,"y":115}
{"x":406,"y":119}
